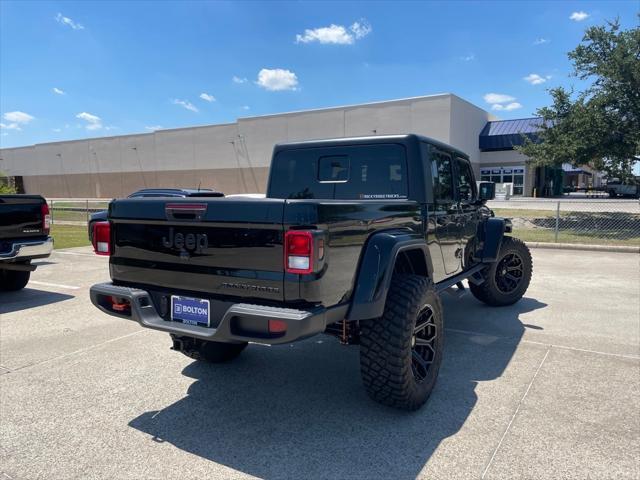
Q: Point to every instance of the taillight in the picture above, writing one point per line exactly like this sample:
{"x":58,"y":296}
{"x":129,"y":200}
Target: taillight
{"x":46,"y":218}
{"x":298,"y":251}
{"x":102,"y":238}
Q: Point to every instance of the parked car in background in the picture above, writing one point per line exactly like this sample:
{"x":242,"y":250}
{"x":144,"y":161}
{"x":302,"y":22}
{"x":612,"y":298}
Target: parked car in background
{"x":615,"y":188}
{"x":24,"y":236}
{"x":101,"y":216}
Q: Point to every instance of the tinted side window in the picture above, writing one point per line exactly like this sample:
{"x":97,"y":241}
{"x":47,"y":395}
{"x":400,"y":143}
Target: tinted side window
{"x":466,"y":185}
{"x":442,"y":177}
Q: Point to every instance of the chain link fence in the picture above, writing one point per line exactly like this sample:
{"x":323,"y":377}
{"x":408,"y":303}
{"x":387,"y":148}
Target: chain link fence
{"x":597,"y":222}
{"x":74,"y":212}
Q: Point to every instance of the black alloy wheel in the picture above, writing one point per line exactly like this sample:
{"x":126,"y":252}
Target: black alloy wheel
{"x":509,"y":273}
{"x":423,"y":343}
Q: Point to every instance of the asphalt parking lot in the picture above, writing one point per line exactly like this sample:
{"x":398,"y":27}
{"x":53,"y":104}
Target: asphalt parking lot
{"x":548,"y":388}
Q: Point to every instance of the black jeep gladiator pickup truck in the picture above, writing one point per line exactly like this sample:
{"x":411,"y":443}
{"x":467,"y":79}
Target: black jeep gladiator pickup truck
{"x":356,"y":238}
{"x":24,"y":236}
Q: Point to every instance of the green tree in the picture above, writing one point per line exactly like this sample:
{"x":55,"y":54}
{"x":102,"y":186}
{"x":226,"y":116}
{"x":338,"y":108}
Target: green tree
{"x":601,"y":125}
{"x":5,"y":186}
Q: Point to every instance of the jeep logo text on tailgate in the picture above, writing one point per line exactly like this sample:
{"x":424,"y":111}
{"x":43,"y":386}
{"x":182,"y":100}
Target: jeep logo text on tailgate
{"x":190,"y":242}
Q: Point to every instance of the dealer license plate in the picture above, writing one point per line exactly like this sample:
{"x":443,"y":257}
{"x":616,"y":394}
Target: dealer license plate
{"x":190,"y":311}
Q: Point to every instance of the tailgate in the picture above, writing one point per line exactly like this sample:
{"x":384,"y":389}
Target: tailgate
{"x":20,"y":216}
{"x":222,"y":246}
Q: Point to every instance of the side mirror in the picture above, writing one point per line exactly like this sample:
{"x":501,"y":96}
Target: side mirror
{"x":486,"y":191}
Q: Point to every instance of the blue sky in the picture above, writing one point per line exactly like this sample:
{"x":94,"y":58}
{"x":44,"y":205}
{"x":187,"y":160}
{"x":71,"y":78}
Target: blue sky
{"x":130,"y":67}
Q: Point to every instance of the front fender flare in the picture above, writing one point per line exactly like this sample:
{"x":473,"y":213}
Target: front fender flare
{"x":492,"y":235}
{"x":376,"y":269}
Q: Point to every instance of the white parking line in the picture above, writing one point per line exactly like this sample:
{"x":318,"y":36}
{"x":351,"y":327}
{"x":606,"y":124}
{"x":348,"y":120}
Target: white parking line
{"x":55,"y":285}
{"x":513,"y":417}
{"x":553,"y":345}
{"x":82,"y":350}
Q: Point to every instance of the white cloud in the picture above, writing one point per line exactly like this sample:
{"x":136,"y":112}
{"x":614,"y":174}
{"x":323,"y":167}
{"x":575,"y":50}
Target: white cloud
{"x":68,"y":22}
{"x":501,"y":102}
{"x":540,"y":41}
{"x":277,"y":79}
{"x":579,"y":16}
{"x":17,"y":117}
{"x":9,"y":126}
{"x":207,"y":98}
{"x":336,"y":34}
{"x":186,"y":104}
{"x":535,"y":79}
{"x":239,"y":79}
{"x":58,"y":91}
{"x":245,"y":107}
{"x":57,"y":130}
{"x":361,"y":28}
{"x":508,"y":107}
{"x":93,"y":121}
{"x":468,"y":58}
{"x":498,"y":98}
{"x":153,"y":128}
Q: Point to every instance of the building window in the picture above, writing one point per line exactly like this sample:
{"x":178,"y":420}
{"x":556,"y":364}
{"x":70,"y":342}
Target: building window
{"x":513,"y":175}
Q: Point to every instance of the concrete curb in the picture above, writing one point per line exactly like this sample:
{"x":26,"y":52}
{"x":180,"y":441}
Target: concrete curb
{"x":578,"y":246}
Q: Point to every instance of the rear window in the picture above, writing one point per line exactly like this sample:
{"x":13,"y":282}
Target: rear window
{"x":367,"y":172}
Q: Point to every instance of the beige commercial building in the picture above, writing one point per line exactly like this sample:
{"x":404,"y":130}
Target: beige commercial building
{"x":235,"y":157}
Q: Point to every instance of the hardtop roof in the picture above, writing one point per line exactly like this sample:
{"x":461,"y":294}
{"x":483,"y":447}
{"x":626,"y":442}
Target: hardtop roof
{"x":368,"y":140}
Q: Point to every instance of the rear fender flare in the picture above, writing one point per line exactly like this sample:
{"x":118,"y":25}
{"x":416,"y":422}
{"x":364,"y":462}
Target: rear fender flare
{"x":376,"y":270}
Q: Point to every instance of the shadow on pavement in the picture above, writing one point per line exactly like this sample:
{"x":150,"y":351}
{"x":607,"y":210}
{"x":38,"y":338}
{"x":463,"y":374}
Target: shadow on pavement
{"x":29,"y":298}
{"x":299,"y":411}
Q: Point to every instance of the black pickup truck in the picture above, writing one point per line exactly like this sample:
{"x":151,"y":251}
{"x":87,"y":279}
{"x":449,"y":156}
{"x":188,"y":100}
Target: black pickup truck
{"x":356,"y":238}
{"x":24,"y":236}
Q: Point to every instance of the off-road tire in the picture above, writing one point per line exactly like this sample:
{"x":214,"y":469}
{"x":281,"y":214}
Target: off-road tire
{"x":211,"y":352}
{"x":489,"y":291}
{"x":13,"y":280}
{"x":386,"y":345}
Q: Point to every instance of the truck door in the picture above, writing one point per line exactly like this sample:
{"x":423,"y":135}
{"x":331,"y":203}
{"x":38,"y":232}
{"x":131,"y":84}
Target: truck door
{"x":466,"y":193}
{"x":445,"y":212}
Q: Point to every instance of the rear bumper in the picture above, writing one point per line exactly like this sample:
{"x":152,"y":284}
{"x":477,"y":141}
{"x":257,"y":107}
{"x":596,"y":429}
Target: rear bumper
{"x":300,"y":323}
{"x":27,"y":250}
